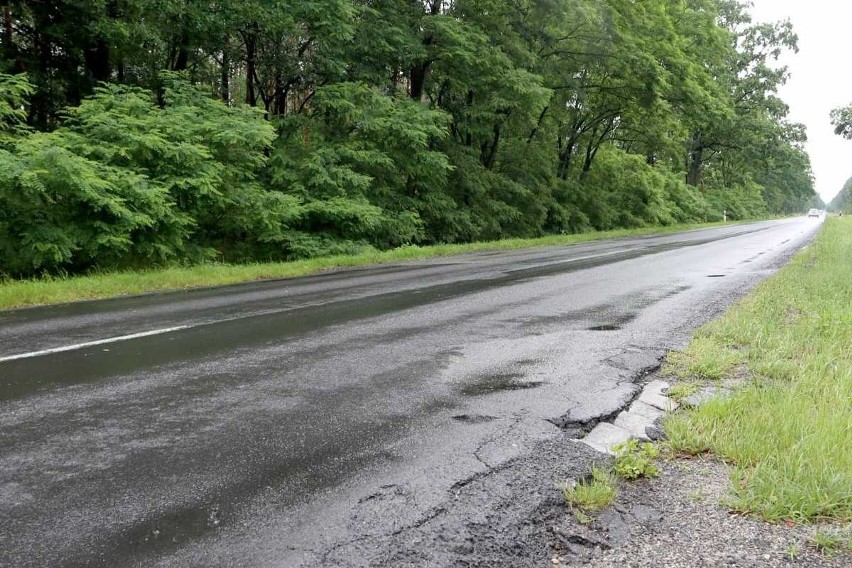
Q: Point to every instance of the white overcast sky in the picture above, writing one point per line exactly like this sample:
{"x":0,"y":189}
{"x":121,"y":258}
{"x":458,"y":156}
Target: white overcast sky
{"x":821,"y":80}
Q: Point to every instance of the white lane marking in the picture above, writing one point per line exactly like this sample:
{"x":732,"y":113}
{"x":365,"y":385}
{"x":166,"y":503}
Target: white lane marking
{"x":267,"y":312}
{"x":92,"y":343}
{"x":593,"y":256}
{"x":78,"y":346}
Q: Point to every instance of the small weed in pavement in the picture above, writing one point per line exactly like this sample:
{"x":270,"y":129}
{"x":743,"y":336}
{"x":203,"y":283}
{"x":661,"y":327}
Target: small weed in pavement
{"x":634,"y":460}
{"x":681,"y":391}
{"x":793,"y":551}
{"x":594,"y":493}
{"x":697,"y":496}
{"x":832,"y":542}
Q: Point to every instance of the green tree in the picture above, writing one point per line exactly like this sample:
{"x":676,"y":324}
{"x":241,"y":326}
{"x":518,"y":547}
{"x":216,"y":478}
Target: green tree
{"x":361,"y":163}
{"x":842,"y":202}
{"x":841,"y":119}
{"x":14,"y":92}
{"x":379,"y":123}
{"x":128,"y":181}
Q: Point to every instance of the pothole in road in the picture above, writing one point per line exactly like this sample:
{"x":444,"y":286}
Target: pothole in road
{"x":501,"y":382}
{"x":579,"y":428}
{"x":605,"y":327}
{"x":614,"y":324}
{"x":474,"y":418}
{"x":574,"y":428}
{"x":715,"y":276}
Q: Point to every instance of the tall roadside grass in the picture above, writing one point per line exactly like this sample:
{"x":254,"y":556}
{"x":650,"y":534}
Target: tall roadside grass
{"x":788,"y":429}
{"x":52,"y":290}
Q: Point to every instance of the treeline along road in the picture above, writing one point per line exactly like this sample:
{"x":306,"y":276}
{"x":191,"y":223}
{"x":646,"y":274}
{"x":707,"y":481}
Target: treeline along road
{"x":144,"y":133}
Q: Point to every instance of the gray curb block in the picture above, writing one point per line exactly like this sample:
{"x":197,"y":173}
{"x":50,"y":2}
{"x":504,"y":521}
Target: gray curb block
{"x":633,"y":423}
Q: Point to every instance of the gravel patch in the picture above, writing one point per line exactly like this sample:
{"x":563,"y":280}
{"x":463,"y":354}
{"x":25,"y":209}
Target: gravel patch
{"x":676,"y":520}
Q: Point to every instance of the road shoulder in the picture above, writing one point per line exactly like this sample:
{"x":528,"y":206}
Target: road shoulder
{"x":676,"y":520}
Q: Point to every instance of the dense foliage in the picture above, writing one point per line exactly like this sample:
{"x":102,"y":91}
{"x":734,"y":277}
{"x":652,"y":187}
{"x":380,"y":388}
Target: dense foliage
{"x":140,"y":132}
{"x":842,"y":202}
{"x":841,"y":119}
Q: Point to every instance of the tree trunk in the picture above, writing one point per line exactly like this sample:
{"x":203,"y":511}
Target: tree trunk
{"x":280,"y":97}
{"x":468,"y":139}
{"x":538,"y":124}
{"x":182,"y":61}
{"x":8,"y":46}
{"x":565,"y":158}
{"x":595,"y":143}
{"x":419,"y":73}
{"x":489,"y":151}
{"x":39,"y":115}
{"x":251,"y":96}
{"x":417,"y":80}
{"x":225,"y":72}
{"x":694,"y":159}
{"x":97,"y":53}
{"x":97,"y":61}
{"x":590,"y":155}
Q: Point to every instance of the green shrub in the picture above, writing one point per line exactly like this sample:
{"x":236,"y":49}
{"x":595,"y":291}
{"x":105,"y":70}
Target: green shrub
{"x":634,"y":460}
{"x":127,"y":181}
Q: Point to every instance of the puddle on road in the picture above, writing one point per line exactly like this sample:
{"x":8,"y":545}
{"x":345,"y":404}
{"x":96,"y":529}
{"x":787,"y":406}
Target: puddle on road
{"x":605,"y":327}
{"x":159,"y":534}
{"x":611,"y":316}
{"x":474,"y":418}
{"x":489,"y":384}
{"x":614,"y":324}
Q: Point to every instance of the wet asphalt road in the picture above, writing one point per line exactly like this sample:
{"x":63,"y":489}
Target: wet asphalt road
{"x":411,"y":414}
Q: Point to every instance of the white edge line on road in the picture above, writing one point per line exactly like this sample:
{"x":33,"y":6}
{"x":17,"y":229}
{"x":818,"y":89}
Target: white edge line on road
{"x":87,"y":344}
{"x":92,"y":343}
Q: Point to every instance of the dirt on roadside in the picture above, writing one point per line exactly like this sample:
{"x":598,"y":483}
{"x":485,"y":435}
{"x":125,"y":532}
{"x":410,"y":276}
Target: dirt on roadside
{"x":676,"y":520}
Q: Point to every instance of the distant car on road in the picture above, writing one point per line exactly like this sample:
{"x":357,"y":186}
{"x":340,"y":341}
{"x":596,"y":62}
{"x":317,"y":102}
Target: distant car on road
{"x":813,"y":213}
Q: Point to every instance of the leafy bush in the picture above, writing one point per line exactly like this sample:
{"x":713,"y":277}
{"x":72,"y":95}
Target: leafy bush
{"x":686,"y":204}
{"x":622,"y":190}
{"x":634,"y":460}
{"x":128,"y":181}
{"x":361,"y":162}
{"x":60,"y":210}
{"x":14,"y":91}
{"x":205,"y":155}
{"x":740,"y":201}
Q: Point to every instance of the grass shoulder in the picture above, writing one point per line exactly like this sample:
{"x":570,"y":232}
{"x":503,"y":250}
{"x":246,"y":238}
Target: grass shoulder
{"x":54,"y":290}
{"x":786,"y":426}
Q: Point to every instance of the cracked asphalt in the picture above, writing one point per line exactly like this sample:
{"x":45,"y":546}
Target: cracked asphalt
{"x":408,"y":415}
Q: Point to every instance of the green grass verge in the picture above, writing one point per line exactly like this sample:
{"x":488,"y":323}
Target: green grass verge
{"x":788,"y":429}
{"x":53,"y":290}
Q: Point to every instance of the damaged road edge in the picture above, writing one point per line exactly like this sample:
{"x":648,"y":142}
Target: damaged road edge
{"x":578,"y":429}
